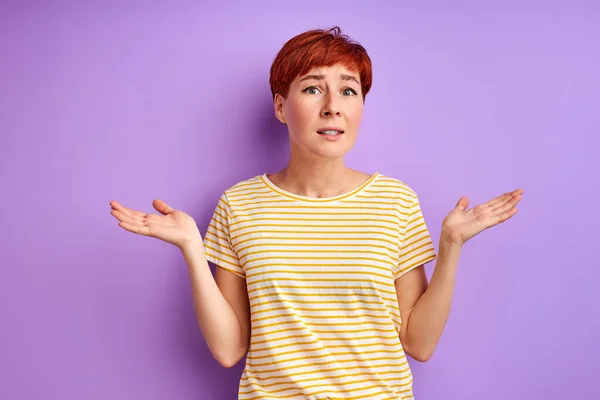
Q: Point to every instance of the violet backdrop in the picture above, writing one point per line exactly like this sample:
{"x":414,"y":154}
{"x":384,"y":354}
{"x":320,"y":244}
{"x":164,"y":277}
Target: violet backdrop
{"x":140,"y":100}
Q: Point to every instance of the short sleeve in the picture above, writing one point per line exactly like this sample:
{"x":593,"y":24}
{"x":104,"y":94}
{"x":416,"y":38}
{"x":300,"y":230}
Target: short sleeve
{"x":217,"y":243}
{"x":416,"y":247}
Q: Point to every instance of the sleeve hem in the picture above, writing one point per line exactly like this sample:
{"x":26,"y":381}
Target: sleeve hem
{"x":399,"y":273}
{"x":223,"y":264}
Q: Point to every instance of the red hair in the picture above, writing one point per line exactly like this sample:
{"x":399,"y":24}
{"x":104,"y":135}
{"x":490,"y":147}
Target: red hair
{"x":319,"y":48}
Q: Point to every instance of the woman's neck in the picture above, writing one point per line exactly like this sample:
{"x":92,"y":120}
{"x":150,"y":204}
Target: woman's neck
{"x":317,"y":178}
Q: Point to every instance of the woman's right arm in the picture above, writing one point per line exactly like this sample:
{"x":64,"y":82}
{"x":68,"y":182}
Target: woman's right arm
{"x":221,"y":304}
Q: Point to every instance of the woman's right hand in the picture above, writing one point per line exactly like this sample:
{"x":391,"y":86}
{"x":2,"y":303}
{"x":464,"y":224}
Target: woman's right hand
{"x":172,"y":226}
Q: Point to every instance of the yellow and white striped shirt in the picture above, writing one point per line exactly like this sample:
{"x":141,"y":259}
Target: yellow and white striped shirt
{"x":320,"y":276}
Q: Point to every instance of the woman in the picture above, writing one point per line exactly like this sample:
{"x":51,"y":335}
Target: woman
{"x":320,"y":279}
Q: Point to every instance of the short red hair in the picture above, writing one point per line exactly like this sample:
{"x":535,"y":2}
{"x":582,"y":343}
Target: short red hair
{"x":319,"y":48}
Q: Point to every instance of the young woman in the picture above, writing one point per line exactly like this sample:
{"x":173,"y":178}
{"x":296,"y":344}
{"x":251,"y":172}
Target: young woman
{"x":320,"y":280}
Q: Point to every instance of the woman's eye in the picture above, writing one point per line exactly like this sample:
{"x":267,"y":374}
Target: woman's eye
{"x":315,"y":90}
{"x":311,"y":90}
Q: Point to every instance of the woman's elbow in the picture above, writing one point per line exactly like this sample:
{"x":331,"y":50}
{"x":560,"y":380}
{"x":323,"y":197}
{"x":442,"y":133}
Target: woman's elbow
{"x":231,"y":360}
{"x":229,"y":363}
{"x":419,"y":354}
{"x":422,"y":357}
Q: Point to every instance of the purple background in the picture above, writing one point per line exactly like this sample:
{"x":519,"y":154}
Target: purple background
{"x":139,"y":101}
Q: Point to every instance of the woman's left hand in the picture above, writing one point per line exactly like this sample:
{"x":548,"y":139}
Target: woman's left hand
{"x":461,"y":224}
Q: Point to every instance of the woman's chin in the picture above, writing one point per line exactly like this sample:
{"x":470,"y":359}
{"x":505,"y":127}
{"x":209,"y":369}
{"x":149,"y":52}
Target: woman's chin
{"x":326,"y":151}
{"x":332,"y":153}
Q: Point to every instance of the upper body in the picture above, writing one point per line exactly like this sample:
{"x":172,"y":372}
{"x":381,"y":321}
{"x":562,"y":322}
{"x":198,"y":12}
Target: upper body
{"x":374,"y":288}
{"x":321,"y":277}
{"x":323,"y":264}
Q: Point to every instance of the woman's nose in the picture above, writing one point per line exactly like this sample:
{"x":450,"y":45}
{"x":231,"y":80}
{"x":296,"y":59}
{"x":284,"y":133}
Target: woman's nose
{"x":331,"y":107}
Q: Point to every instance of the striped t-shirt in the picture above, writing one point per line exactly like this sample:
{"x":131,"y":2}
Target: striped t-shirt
{"x":320,"y":274}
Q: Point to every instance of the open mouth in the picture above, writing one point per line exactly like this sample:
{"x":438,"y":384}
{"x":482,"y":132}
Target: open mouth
{"x":330,"y":132}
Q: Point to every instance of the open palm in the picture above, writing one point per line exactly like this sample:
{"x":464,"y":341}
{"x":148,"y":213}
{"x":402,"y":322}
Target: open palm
{"x":172,"y":226}
{"x":461,"y":224}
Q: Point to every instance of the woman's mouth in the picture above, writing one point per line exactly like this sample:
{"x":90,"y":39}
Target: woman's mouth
{"x":330,"y":132}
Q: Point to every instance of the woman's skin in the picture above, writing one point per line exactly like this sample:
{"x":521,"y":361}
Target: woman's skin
{"x":324,"y":98}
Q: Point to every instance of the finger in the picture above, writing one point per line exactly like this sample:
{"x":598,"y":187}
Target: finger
{"x":131,"y":224}
{"x":505,"y":216}
{"x":514,"y":200}
{"x":494,"y":203}
{"x":135,"y":228}
{"x":145,"y":221}
{"x":162,"y":207}
{"x":137,"y":215}
{"x":118,"y":206}
{"x":121,"y":216}
{"x":462,"y":203}
{"x":500,"y":199}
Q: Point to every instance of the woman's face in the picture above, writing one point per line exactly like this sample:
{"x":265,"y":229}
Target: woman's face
{"x":323,"y":111}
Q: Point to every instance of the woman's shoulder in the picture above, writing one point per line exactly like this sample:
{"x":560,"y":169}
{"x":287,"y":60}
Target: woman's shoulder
{"x":392,"y":184}
{"x":249,"y":184}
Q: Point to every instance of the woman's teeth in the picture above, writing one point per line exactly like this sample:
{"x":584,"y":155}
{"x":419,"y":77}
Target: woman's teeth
{"x":331,"y":132}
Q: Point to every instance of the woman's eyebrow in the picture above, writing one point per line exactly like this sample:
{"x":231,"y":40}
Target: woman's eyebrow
{"x":344,"y":77}
{"x":316,"y":77}
{"x":349,"y":78}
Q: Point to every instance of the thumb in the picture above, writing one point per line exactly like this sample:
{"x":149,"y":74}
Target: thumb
{"x":162,"y":207}
{"x":463,"y":203}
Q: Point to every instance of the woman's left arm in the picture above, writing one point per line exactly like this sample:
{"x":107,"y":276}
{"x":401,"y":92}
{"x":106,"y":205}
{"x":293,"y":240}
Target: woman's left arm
{"x":424,"y":307}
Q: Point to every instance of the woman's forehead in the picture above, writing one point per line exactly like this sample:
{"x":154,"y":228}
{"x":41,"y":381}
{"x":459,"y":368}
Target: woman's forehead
{"x":335,"y":71}
{"x":326,"y":70}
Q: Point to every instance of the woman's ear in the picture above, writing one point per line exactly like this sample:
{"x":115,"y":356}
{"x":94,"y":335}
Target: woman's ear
{"x":278,"y":103}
